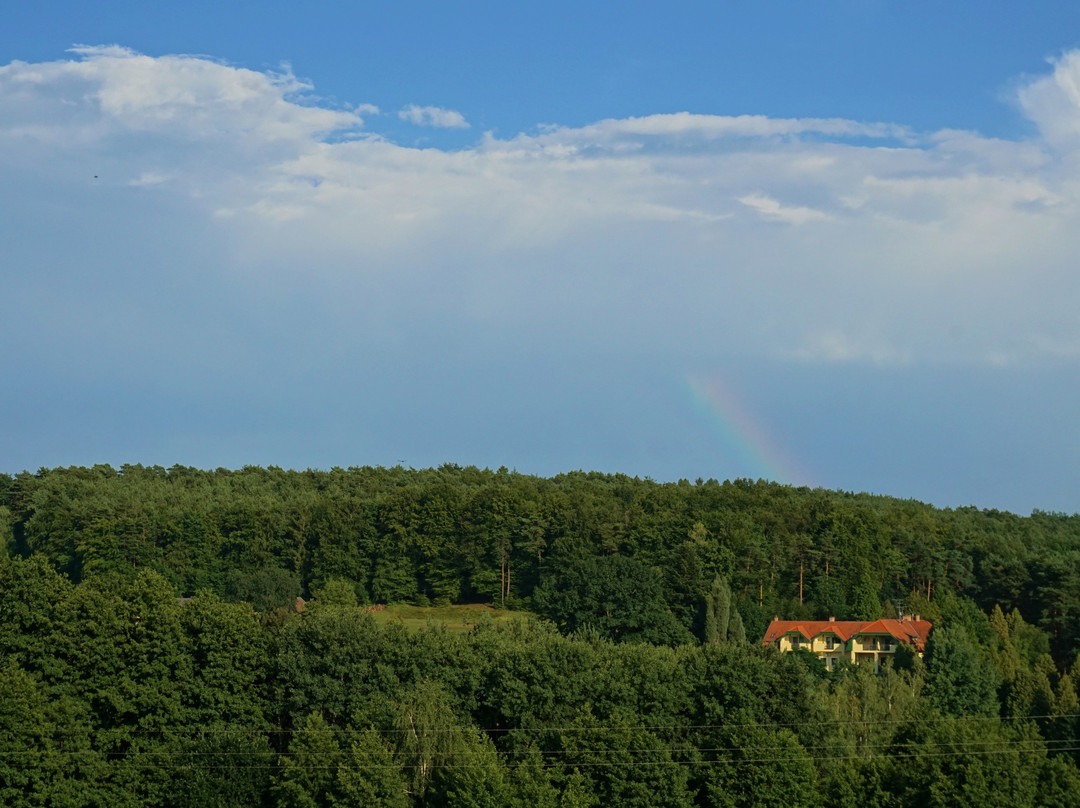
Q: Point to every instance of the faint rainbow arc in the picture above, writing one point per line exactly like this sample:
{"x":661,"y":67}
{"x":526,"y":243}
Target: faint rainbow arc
{"x":754,"y":447}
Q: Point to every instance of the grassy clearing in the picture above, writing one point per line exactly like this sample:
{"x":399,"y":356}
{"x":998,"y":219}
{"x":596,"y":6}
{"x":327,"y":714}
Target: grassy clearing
{"x":458,"y":617}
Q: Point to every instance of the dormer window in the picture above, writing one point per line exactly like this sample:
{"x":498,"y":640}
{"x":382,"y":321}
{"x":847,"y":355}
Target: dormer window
{"x":830,"y":643}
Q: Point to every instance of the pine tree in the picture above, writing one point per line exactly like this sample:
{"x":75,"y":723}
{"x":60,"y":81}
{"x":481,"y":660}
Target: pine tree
{"x":718,"y":611}
{"x":370,"y":776}
{"x":712,"y":636}
{"x":866,"y":605}
{"x":736,"y":632}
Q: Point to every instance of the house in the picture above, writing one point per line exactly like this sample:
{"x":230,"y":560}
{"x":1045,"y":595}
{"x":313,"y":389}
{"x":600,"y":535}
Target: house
{"x":851,"y":640}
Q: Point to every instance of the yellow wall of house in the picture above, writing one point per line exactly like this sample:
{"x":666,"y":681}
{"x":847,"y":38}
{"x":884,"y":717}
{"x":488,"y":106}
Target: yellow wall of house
{"x":818,"y":645}
{"x":869,"y":647}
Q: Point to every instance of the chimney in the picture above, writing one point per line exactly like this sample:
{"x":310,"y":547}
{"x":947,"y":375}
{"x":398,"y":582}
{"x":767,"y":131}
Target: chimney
{"x":918,"y":618}
{"x":832,"y":619}
{"x":775,"y":617}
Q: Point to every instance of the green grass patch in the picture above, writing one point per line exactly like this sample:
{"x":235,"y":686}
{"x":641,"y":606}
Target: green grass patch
{"x":457,"y":617}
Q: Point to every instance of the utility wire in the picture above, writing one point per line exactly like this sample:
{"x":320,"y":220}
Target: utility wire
{"x":500,"y":730}
{"x":135,"y":763}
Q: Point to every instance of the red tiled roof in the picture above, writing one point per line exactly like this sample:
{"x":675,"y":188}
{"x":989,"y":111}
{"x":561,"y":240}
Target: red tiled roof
{"x":906,"y":630}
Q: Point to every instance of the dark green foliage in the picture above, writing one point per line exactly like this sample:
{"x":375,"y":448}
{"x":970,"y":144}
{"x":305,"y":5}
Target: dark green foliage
{"x":337,"y":592}
{"x":684,"y":584}
{"x":307,"y":772}
{"x":230,"y":768}
{"x":153,"y":702}
{"x":46,"y":755}
{"x":865,"y":604}
{"x":115,"y":690}
{"x":966,"y":762}
{"x":623,"y":764}
{"x":718,"y":611}
{"x":613,"y":595}
{"x":265,"y":535}
{"x":760,"y":766}
{"x":960,"y":679}
{"x":332,"y":660}
{"x":736,"y":632}
{"x":230,"y":664}
{"x":369,"y":774}
{"x":266,"y":589}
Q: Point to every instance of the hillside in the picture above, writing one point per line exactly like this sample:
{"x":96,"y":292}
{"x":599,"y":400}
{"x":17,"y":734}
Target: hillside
{"x":151,"y":653}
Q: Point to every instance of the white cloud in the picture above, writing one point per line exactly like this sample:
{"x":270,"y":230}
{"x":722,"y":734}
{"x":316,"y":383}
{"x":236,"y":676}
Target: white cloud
{"x":658,"y":232}
{"x":772,"y":209}
{"x":433,"y":116}
{"x":1053,"y":102}
{"x":148,"y":179}
{"x":166,"y":110}
{"x":712,"y":127}
{"x":837,"y":346}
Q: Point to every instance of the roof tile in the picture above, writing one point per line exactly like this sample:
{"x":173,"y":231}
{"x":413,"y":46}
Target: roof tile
{"x":907,"y":630}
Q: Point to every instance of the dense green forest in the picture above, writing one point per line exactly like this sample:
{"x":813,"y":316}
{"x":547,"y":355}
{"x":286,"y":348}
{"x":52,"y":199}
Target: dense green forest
{"x":151,"y":653}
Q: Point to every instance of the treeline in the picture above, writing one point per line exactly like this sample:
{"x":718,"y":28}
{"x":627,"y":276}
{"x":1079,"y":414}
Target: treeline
{"x":569,"y":546}
{"x":115,"y":692}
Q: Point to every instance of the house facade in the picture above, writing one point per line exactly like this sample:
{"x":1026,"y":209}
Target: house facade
{"x":854,"y":641}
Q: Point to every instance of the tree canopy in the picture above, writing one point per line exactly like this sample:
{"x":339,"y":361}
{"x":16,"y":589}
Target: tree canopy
{"x":151,"y":652}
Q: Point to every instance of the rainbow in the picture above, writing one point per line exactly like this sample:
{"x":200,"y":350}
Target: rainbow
{"x":748,"y":445}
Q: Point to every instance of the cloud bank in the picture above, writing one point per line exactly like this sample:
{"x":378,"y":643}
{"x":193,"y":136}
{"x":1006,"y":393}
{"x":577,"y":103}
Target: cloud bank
{"x":177,"y":224}
{"x":782,"y":237}
{"x":433,"y":116}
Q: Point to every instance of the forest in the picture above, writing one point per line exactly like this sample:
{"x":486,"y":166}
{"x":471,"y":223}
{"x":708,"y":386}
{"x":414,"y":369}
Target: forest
{"x":152,"y":653}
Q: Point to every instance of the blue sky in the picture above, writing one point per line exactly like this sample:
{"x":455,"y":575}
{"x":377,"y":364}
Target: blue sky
{"x":829,"y":244}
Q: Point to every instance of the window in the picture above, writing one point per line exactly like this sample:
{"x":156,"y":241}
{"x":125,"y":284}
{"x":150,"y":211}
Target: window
{"x":830,"y":643}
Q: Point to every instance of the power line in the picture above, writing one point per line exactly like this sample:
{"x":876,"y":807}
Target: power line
{"x":897,"y":750}
{"x":500,"y":730}
{"x":137,"y":763}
